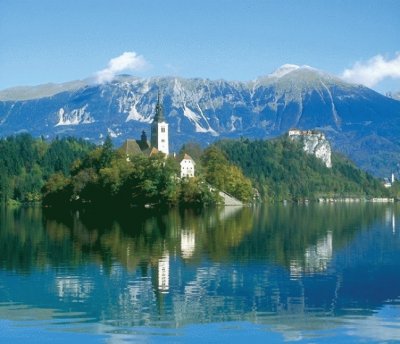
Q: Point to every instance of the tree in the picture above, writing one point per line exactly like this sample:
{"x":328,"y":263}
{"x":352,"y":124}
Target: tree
{"x":224,"y":175}
{"x":191,"y":148}
{"x":107,"y":152}
{"x":57,"y":190}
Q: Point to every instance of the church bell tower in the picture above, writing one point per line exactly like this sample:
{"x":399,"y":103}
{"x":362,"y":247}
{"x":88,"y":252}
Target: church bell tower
{"x":159,"y":129}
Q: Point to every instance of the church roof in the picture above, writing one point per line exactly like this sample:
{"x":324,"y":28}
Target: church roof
{"x":153,"y":151}
{"x":131,"y":147}
{"x":159,"y":116}
{"x":188,"y":157}
{"x":143,"y":145}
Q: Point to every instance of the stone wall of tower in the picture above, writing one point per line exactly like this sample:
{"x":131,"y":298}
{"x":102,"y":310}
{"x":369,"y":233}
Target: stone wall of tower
{"x":159,"y":130}
{"x":162,"y":138}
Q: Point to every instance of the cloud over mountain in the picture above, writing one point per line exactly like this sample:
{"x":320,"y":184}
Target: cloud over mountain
{"x":373,"y":71}
{"x":128,"y":61}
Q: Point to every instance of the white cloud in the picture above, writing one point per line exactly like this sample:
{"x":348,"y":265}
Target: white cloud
{"x":128,"y":61}
{"x":373,"y":71}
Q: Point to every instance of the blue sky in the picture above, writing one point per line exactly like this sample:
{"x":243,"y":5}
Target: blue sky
{"x":56,"y":40}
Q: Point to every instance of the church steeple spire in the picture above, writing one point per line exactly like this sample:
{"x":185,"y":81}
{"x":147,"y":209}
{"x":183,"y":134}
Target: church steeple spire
{"x":159,"y":116}
{"x":159,"y":129}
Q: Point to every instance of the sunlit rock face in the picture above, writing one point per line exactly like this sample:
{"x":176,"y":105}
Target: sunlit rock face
{"x":314,"y":143}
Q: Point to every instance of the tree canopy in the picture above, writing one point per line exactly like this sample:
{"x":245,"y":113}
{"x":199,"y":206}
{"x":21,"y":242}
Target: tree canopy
{"x":280,"y":169}
{"x":71,"y":171}
{"x":26,"y":163}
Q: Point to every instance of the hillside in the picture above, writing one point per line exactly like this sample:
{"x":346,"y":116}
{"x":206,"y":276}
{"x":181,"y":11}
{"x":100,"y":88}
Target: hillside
{"x":360,"y":123}
{"x":281,"y":170}
{"x":27,"y":163}
{"x":70,"y":171}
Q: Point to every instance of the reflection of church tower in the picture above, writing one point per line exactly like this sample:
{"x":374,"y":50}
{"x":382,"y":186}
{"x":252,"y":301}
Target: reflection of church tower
{"x":163,"y":273}
{"x":160,"y":280}
{"x":159,"y":130}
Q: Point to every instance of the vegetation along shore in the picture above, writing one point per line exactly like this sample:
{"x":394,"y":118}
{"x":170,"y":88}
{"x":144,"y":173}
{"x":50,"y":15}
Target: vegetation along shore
{"x":73,"y":172}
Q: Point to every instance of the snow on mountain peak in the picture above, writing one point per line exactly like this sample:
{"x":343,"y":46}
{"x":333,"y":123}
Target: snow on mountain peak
{"x":288,"y":68}
{"x":283,"y":70}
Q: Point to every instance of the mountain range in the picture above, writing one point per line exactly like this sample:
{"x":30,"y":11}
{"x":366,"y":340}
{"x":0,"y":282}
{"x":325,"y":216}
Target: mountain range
{"x":361,"y":123}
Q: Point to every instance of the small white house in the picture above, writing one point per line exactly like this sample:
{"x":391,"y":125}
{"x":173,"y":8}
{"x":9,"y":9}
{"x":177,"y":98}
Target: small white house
{"x":386,"y":183}
{"x":187,"y":167}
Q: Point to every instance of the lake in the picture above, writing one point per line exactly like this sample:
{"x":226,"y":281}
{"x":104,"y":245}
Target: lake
{"x":305,"y":273}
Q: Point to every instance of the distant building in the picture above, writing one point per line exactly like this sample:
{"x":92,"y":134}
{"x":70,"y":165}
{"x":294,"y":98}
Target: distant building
{"x":387,"y":183}
{"x":159,"y":130}
{"x":295,"y":132}
{"x":132,"y":147}
{"x":187,"y":167}
{"x":159,"y":137}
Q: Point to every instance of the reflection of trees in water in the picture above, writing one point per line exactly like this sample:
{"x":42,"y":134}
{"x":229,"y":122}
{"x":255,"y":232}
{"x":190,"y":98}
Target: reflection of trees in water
{"x":146,"y":280}
{"x":294,"y":235}
{"x":21,"y":235}
{"x":35,"y":239}
{"x":300,"y":237}
{"x":216,"y":231}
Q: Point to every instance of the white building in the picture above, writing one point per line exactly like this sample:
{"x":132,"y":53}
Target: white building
{"x":187,"y":167}
{"x":159,"y":130}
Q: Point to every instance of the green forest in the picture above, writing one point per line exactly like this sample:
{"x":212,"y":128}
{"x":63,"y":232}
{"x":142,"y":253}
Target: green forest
{"x":107,"y":176}
{"x":27,"y":163}
{"x":74,"y":172}
{"x":281,"y":170}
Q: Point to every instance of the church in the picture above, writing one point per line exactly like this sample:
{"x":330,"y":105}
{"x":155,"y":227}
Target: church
{"x":159,"y":141}
{"x":159,"y":130}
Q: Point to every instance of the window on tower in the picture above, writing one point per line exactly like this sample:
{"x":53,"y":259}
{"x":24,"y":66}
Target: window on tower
{"x":162,"y":129}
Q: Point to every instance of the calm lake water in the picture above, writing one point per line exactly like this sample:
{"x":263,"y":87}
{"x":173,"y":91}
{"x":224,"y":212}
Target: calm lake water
{"x":310,"y":274}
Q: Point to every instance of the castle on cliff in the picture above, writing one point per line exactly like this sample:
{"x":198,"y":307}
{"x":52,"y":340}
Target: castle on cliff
{"x":314,"y":142}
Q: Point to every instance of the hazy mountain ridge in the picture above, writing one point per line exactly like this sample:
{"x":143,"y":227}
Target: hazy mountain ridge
{"x":359,"y":121}
{"x":394,"y":95}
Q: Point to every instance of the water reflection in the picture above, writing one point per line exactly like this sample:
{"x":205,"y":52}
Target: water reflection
{"x":188,"y":242}
{"x":163,"y":273}
{"x":296,"y":268}
{"x":390,"y":218}
{"x":73,"y":287}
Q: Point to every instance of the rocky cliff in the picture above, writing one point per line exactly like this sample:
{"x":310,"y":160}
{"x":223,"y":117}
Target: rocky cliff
{"x":313,"y":143}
